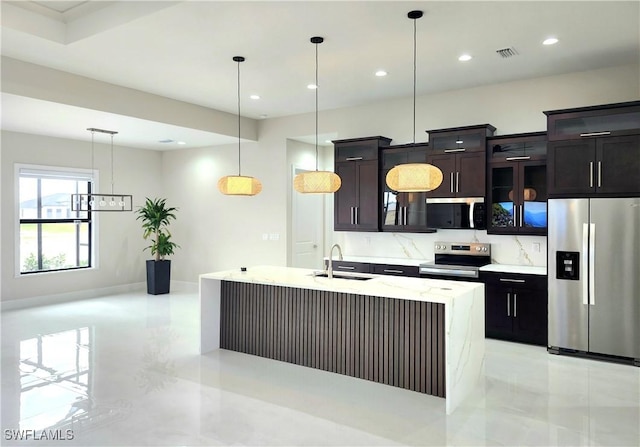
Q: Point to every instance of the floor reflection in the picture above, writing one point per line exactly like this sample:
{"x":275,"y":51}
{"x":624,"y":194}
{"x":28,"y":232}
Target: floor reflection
{"x":55,"y":378}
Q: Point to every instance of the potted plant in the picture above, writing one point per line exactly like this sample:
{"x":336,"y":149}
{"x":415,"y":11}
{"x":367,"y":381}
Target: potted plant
{"x":156,"y":217}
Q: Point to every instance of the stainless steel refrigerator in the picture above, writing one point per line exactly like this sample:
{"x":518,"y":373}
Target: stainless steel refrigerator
{"x":594,"y":276}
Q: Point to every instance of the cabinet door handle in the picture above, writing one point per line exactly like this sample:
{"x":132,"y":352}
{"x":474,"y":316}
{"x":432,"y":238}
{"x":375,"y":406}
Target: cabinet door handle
{"x":460,"y":149}
{"x":521,"y":214}
{"x":458,"y":181}
{"x":356,"y":213}
{"x":595,"y":134}
{"x":518,"y":158}
{"x":451,"y":181}
{"x":346,"y":267}
{"x":599,"y":174}
{"x":352,"y":215}
{"x":590,"y":174}
{"x":404,"y":215}
{"x":515,"y":305}
{"x":393,"y":271}
{"x":508,"y":304}
{"x":353,"y":158}
{"x":511,"y":280}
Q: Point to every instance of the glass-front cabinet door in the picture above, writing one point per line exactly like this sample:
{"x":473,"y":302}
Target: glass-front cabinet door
{"x":517,"y":183}
{"x":403,"y":211}
{"x":502,"y":199}
{"x":518,"y":198}
{"x":533,"y":198}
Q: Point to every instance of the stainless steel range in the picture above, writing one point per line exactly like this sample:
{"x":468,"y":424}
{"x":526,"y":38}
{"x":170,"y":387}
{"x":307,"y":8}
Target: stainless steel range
{"x":457,"y":261}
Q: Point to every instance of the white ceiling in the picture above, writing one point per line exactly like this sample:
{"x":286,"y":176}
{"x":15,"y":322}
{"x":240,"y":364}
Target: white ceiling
{"x":183,"y":50}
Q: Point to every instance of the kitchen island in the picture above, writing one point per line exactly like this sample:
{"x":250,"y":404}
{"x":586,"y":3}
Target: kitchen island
{"x":419,"y":334}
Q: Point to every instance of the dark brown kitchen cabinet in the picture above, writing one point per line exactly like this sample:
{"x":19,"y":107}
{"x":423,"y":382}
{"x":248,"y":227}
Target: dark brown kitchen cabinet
{"x":594,"y":151}
{"x":517,"y":184}
{"x":516,"y":307}
{"x":594,"y":121}
{"x":349,"y":266}
{"x":396,"y":270}
{"x":356,"y":202}
{"x":463,"y":175}
{"x":402,"y":211}
{"x":460,"y":153}
{"x":607,"y":167}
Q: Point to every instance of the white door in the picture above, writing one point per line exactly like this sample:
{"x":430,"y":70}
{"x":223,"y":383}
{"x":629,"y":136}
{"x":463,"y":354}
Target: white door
{"x":307,"y":213}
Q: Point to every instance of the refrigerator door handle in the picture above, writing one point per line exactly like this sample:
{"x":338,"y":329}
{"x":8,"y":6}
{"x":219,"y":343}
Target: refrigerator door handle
{"x":592,"y":262}
{"x":585,"y":261}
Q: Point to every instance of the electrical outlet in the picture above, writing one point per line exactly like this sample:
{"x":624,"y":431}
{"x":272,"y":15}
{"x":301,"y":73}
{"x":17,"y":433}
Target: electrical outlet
{"x":536,"y":247}
{"x":265,"y":236}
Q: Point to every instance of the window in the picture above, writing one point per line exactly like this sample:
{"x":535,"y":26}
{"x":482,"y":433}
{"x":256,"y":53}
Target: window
{"x":52,"y":237}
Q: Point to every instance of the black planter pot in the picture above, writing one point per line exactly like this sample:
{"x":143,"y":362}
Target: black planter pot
{"x":158,"y":276}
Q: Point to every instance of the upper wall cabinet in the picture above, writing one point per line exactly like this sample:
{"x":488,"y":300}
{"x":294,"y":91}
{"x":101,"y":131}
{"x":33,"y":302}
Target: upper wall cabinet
{"x":517,"y":184}
{"x":594,"y":151}
{"x":356,"y":202}
{"x":402,"y":211}
{"x":460,"y":153}
{"x":595,"y":121}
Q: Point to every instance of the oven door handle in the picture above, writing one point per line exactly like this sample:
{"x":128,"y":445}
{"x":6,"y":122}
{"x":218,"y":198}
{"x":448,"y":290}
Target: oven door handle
{"x":451,"y":271}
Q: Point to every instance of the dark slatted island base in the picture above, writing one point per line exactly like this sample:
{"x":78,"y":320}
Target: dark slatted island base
{"x":418,"y":334}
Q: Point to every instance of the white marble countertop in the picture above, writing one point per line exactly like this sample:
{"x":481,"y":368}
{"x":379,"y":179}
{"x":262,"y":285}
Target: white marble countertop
{"x":506,"y":268}
{"x":416,"y":289}
{"x":379,"y":260}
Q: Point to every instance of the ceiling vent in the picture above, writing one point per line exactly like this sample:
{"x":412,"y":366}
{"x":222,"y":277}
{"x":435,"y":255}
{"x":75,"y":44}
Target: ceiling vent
{"x":166,"y":141}
{"x":507,"y":52}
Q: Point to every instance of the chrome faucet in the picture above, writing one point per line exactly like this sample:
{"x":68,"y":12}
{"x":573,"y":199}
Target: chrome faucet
{"x":330,"y":269}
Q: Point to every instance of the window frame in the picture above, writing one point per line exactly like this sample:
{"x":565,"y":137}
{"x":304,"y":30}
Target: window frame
{"x":47,"y":171}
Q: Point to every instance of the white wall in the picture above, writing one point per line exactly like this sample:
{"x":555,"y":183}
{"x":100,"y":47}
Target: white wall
{"x":120,"y":258}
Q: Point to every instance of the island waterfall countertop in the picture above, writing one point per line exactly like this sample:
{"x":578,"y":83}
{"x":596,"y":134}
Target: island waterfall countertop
{"x":425,"y":335}
{"x":415,"y":289}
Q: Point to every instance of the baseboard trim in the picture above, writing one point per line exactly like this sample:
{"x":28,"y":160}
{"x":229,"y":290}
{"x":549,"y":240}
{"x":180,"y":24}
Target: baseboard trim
{"x":45,"y":300}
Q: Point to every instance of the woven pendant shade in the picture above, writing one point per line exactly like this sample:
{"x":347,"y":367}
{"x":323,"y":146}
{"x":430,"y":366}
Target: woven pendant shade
{"x":239,"y":185}
{"x":529,"y":194}
{"x":317,"y":182}
{"x":414,"y":177}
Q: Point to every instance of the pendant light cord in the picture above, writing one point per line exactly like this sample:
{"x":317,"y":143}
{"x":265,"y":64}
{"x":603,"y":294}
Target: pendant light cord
{"x":317,"y":87}
{"x":239,"y":118}
{"x":414,"y":81}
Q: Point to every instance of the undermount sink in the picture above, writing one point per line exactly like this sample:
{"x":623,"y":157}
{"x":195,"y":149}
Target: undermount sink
{"x":342,"y":276}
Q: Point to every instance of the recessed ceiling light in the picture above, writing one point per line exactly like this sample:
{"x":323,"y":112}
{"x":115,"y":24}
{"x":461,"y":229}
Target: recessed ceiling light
{"x":254,"y":96}
{"x":550,"y":41}
{"x":181,"y":143}
{"x":263,"y":116}
{"x":464,"y":58}
{"x":312,"y":86}
{"x":381,"y":73}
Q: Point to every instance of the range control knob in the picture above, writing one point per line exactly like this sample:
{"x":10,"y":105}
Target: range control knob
{"x":484,"y":248}
{"x":478,"y":248}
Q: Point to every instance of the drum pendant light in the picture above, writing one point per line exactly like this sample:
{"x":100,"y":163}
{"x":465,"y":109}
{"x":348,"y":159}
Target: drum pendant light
{"x":414,"y":177}
{"x":239,"y":185}
{"x":317,"y":181}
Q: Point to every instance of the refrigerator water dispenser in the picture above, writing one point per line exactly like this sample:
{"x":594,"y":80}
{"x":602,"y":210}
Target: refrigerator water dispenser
{"x":568,"y":265}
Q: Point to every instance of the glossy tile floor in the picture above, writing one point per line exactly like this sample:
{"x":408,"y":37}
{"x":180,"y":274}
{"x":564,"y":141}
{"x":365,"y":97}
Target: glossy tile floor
{"x":124,"y":371}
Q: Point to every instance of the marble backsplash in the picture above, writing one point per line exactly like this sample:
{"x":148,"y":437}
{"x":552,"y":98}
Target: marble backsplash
{"x":513,"y":250}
